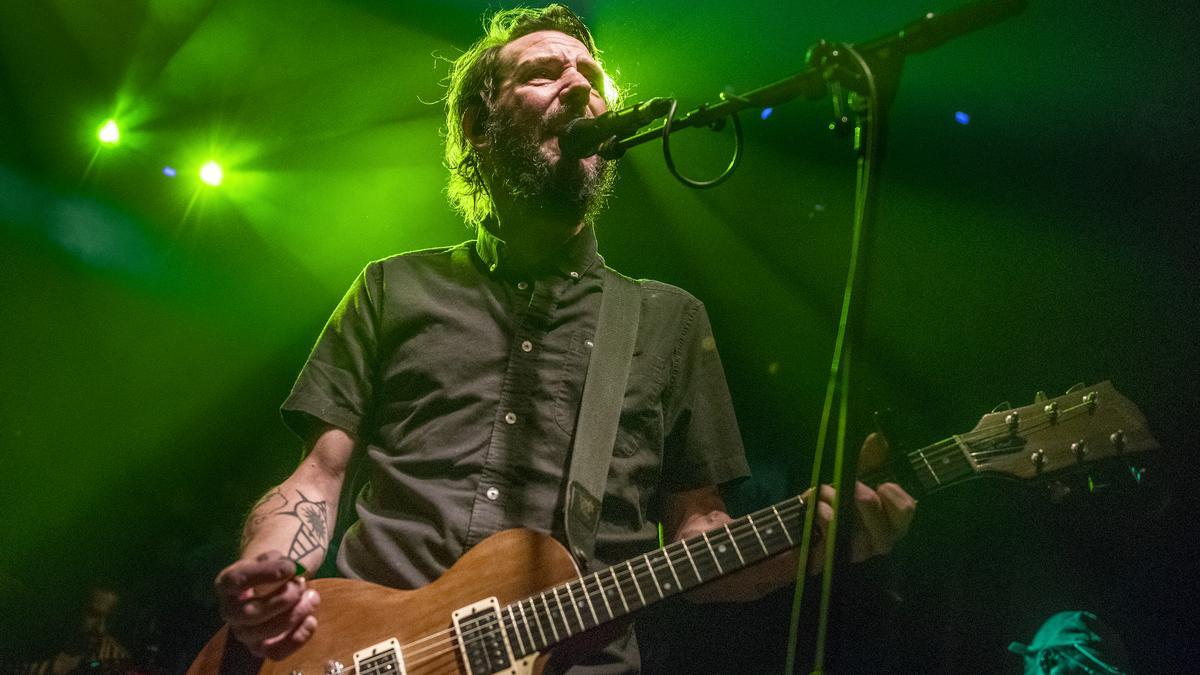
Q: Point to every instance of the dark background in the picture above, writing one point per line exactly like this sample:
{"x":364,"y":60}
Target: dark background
{"x":151,"y":326}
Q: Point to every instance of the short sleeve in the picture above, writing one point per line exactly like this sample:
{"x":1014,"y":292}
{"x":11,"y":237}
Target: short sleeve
{"x":704,"y":445}
{"x":336,"y":383}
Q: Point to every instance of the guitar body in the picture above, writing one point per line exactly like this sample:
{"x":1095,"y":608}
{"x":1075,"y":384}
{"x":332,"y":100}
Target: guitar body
{"x":354,"y":615}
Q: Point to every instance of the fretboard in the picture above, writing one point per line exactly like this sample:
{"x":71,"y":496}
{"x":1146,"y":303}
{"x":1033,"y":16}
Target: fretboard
{"x":538,"y":622}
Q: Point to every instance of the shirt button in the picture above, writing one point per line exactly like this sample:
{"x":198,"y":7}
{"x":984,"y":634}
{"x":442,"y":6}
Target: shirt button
{"x":574,"y":275}
{"x":511,"y":418}
{"x":522,"y":285}
{"x":492,"y":493}
{"x":589,"y":344}
{"x":492,"y":267}
{"x":526,"y":346}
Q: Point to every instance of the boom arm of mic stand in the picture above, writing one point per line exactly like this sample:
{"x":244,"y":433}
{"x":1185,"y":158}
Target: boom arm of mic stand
{"x":917,"y":36}
{"x":808,"y":85}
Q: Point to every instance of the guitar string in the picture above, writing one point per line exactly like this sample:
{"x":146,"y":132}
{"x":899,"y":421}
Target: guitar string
{"x":744,"y":526}
{"x":947,"y":447}
{"x":448,"y":639}
{"x":982,"y":434}
{"x":982,"y":458}
{"x":985,"y":432}
{"x":745,"y":530}
{"x":934,"y":452}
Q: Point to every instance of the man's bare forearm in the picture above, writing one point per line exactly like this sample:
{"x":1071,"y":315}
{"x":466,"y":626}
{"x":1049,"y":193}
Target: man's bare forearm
{"x":297,"y":517}
{"x":294,"y":520}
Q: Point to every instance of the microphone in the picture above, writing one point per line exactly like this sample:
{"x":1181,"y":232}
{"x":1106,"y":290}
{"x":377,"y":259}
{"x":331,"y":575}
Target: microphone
{"x":583,"y":136}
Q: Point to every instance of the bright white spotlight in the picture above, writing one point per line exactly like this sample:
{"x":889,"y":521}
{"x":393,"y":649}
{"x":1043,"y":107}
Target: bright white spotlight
{"x":212,"y":174}
{"x":109,"y":134}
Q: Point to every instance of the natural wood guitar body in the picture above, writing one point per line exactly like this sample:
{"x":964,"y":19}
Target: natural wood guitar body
{"x":354,"y":615}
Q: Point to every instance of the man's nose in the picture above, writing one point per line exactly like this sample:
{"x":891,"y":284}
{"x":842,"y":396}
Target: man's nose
{"x":577,"y":91}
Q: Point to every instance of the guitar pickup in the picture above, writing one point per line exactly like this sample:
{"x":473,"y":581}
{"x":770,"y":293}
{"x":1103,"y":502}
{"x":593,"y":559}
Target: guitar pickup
{"x":482,"y":641}
{"x":381,"y":659}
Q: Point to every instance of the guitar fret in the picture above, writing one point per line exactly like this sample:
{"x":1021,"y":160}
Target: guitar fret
{"x":754,"y":528}
{"x":564,"y":614}
{"x":699,"y":577}
{"x":550,"y":615}
{"x":929,"y":466}
{"x":636,"y":585}
{"x":603,"y":595}
{"x":575,"y":606}
{"x":783,"y":525}
{"x":653,"y":576}
{"x":587,"y":597}
{"x":538,"y":620}
{"x":620,"y":591}
{"x":515,"y":632}
{"x":671,"y":566}
{"x":733,"y":542}
{"x":708,"y":543}
{"x":528,"y":628}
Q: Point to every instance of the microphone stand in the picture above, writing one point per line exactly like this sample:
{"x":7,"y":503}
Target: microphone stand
{"x":863,"y":85}
{"x":863,"y":80}
{"x":811,"y":84}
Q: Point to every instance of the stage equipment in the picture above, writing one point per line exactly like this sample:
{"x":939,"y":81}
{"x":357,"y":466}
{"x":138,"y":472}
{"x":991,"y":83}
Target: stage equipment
{"x":862,"y":79}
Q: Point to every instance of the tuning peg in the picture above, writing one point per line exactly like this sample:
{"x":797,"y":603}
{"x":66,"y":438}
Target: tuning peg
{"x":1040,"y":397}
{"x":1080,"y":449}
{"x":1051,"y":410}
{"x":1038,"y":459}
{"x":1117,"y":438}
{"x":1076,"y":387}
{"x":1002,"y":406}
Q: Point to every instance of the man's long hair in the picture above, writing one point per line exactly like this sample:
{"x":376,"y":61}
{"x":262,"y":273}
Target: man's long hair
{"x":471,"y":86}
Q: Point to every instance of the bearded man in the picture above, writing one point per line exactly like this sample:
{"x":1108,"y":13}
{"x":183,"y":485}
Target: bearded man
{"x":458,"y":373}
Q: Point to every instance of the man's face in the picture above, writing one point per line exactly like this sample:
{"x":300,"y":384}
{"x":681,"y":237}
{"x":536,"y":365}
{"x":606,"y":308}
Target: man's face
{"x":546,"y":79}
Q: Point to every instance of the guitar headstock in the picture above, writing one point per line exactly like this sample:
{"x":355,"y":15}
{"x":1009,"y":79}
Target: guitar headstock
{"x":1085,"y":425}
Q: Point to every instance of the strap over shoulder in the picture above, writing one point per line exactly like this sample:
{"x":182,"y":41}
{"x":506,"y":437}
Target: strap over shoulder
{"x":600,"y":410}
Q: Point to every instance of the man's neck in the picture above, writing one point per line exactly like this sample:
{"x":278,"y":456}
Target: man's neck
{"x":530,"y":238}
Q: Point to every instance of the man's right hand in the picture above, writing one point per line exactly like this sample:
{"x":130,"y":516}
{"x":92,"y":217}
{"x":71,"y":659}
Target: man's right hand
{"x":266,"y":604}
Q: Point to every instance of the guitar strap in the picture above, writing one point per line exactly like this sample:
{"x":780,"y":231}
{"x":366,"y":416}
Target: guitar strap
{"x":600,"y":411}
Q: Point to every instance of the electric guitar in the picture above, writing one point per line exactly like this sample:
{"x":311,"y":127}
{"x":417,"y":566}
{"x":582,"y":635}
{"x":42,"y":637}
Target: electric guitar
{"x":519,"y":593}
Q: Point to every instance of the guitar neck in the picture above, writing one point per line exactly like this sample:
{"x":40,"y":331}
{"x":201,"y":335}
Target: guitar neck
{"x":927,"y":469}
{"x":1068,"y":432}
{"x":543,"y":620}
{"x":1064,"y":433}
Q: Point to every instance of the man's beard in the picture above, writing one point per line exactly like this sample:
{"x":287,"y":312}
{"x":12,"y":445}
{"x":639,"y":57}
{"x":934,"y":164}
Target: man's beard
{"x":522,"y":175}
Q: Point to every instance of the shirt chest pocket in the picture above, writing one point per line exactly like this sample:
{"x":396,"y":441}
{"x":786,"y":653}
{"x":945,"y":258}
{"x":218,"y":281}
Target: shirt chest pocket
{"x":641,"y":427}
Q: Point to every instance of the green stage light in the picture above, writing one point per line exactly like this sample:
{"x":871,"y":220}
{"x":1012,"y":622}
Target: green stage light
{"x":212,"y":174}
{"x":109,"y":134}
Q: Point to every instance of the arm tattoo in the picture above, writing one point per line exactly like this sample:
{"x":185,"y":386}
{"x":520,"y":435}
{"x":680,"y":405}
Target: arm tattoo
{"x":313,"y":534}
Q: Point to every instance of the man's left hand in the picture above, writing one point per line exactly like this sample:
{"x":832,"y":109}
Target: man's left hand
{"x":884,"y":514}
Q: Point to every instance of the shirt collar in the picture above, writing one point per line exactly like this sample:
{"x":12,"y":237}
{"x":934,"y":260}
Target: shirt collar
{"x":577,"y":256}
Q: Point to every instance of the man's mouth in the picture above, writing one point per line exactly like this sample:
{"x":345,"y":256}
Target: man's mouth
{"x":559,"y":123}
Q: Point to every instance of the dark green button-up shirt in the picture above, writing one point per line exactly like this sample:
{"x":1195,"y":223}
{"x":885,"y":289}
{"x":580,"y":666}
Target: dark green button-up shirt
{"x":462,"y":376}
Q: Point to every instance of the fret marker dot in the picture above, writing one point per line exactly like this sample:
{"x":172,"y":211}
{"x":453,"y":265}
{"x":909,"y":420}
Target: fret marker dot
{"x":721,"y":548}
{"x":770,"y":530}
{"x":667,"y":585}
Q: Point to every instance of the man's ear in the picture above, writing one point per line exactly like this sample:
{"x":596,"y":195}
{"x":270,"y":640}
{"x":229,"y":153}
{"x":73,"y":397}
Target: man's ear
{"x":473,"y":127}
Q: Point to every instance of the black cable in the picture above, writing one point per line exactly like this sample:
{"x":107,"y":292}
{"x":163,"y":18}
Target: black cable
{"x":733,"y":163}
